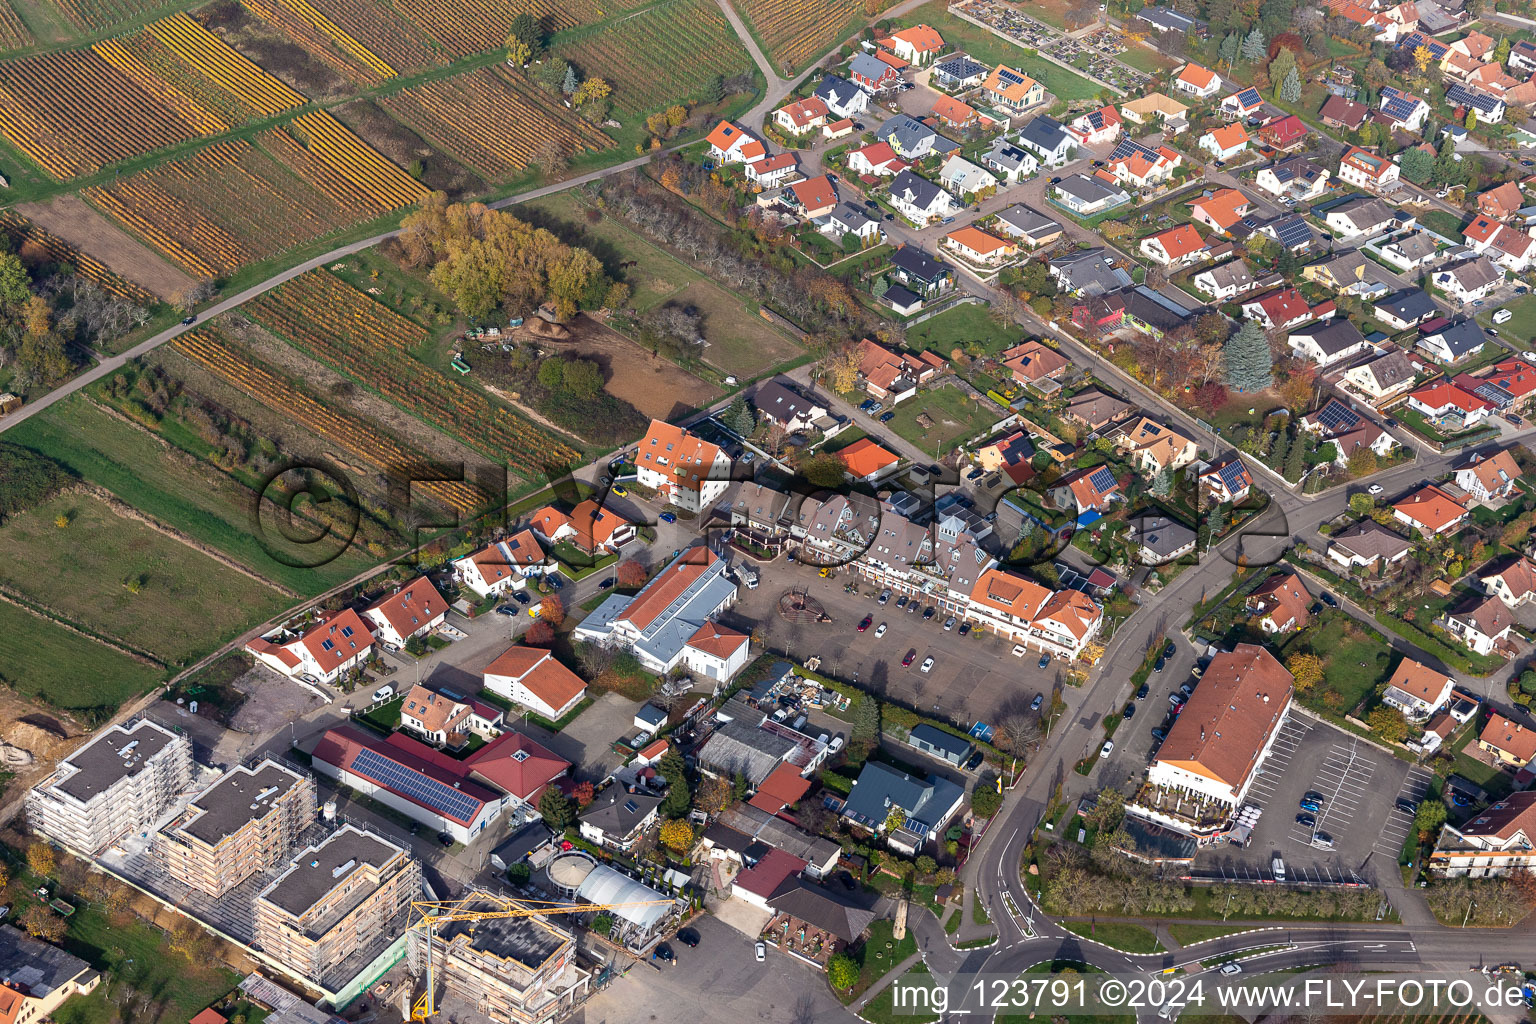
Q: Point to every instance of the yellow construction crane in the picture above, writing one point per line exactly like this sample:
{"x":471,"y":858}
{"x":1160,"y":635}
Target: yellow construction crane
{"x":434,"y":913}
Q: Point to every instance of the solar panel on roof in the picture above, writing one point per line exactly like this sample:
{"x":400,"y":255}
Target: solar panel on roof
{"x":1249,"y":97}
{"x":1232,"y":475}
{"x":1337,"y":417}
{"x":1102,"y":479}
{"x":1009,"y":76}
{"x":1292,"y":231}
{"x":439,"y":796}
{"x":1129,"y":146}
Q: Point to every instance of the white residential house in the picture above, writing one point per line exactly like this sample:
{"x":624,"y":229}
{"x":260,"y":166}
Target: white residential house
{"x":842,"y":97}
{"x":1197,"y":81}
{"x":960,"y":176}
{"x":1296,"y":177}
{"x":1012,"y":163}
{"x":336,"y":644}
{"x":409,"y":611}
{"x":1469,"y":280}
{"x":503,"y":566}
{"x":1359,"y":217}
{"x":1049,"y":140}
{"x":1226,"y":281}
{"x":1513,"y":582}
{"x":1417,"y":690}
{"x":1488,"y":478}
{"x":920,"y":200}
{"x":772,"y":171}
{"x":877,"y":160}
{"x":1385,"y":376}
{"x":1326,"y":342}
{"x":1483,"y":627}
{"x":1225,"y":142}
{"x":686,"y":470}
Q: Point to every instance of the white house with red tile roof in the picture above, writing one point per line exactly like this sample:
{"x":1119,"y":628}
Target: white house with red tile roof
{"x":801,"y":115}
{"x":1512,"y":581}
{"x":814,"y":196}
{"x":770,"y":171}
{"x":1444,"y":403}
{"x":532,"y":678}
{"x":447,"y":720}
{"x":1488,"y":477}
{"x":1417,"y":690}
{"x":1367,"y":170}
{"x":412,"y":610}
{"x":877,"y":159}
{"x":1431,"y":511}
{"x":1281,"y":603}
{"x":1197,"y":81}
{"x":1091,"y":488}
{"x":1176,"y":247}
{"x":1498,"y":840}
{"x":1226,"y":142}
{"x":671,"y":621}
{"x":732,"y":145}
{"x":333,"y":646}
{"x":1279,"y":310}
{"x":1483,"y":626}
{"x":550,"y":525}
{"x":685,"y":470}
{"x":1096,"y":126}
{"x":1221,"y":210}
{"x":1509,"y":247}
{"x":916,"y":45}
{"x":1058,"y":623}
{"x":505,"y":565}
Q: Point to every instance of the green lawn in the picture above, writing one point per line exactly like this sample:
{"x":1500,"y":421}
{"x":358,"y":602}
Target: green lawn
{"x":962,"y":327}
{"x":41,"y":660}
{"x":1442,"y":222}
{"x":195,"y":498}
{"x":877,"y":955}
{"x":992,"y":49}
{"x":881,"y":1009}
{"x":1495,"y":780}
{"x":1354,"y":661}
{"x":1521,"y":327}
{"x":1416,"y":422}
{"x":386,"y":717}
{"x":954,"y":413}
{"x":1132,"y":938}
{"x":186,"y":602}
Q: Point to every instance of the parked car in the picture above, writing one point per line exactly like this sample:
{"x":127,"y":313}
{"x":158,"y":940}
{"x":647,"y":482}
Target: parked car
{"x":949,"y":624}
{"x":1328,"y":599}
{"x":910,"y":657}
{"x":1107,"y":749}
{"x":668,"y":517}
{"x":502,"y":609}
{"x":1374,"y":489}
{"x":1408,"y":807}
{"x":975,"y":474}
{"x":1311,"y":805}
{"x":520,"y":597}
{"x":665,"y":955}
{"x":383,"y":693}
{"x":886,"y":417}
{"x":555,"y":580}
{"x":1314,"y":796}
{"x":928,"y":612}
{"x":927,"y":663}
{"x":620,"y":490}
{"x":1186,"y":688}
{"x":901,"y":602}
{"x":445,"y":839}
{"x":1141,"y":694}
{"x":1306,"y":821}
{"x":885,"y":595}
{"x":762,"y":951}
{"x":1034,"y":705}
{"x":865,"y":624}
{"x":187,"y":321}
{"x":607,"y":584}
{"x":965,"y":627}
{"x":1044,"y":662}
{"x":688,"y":937}
{"x":1176,"y":699}
{"x":1158,"y":665}
{"x":1159,"y":734}
{"x":880,"y":631}
{"x":1130,"y":711}
{"x":1322,"y":840}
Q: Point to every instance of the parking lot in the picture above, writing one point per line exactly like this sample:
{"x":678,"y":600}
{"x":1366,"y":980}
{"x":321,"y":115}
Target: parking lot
{"x":1359,"y":786}
{"x":972,"y":677}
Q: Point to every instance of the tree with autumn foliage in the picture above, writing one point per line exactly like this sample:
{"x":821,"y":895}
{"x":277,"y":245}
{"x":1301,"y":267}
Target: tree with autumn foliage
{"x":1307,"y":669}
{"x":583,"y":793}
{"x":42,"y":923}
{"x":841,"y":368}
{"x":41,"y":860}
{"x":540,"y":634}
{"x":677,"y":835}
{"x":630,"y":574}
{"x":552,"y":610}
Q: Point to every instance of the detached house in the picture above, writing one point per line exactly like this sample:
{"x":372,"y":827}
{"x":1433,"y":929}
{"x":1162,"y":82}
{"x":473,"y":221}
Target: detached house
{"x":1279,"y":310}
{"x":1226,"y":481}
{"x":1328,"y":341}
{"x":1367,"y":545}
{"x":920,"y":200}
{"x":842,"y":97}
{"x":1153,"y":447}
{"x":958,"y":72}
{"x":1511,"y":249}
{"x":801,"y":116}
{"x":684,"y":470}
{"x":1096,"y":126}
{"x":1407,"y":308}
{"x":916,"y":45}
{"x":1469,"y":280}
{"x":1366,"y":170}
{"x":1225,"y":142}
{"x":331,"y":647}
{"x":1227,"y":281}
{"x":446,"y":720}
{"x":1402,"y":109}
{"x":1280,"y":603}
{"x":412,"y":610}
{"x":1159,"y":539}
{"x":1501,"y":202}
{"x":909,"y":137}
{"x":1453,"y":342}
{"x":1431,"y":511}
{"x":731,"y":145}
{"x":1197,"y":81}
{"x":1222,"y":210}
{"x":1241,"y":104}
{"x":921,"y":273}
{"x":1417,"y":690}
{"x":1512,"y":580}
{"x":1010,"y":162}
{"x":872,"y":74}
{"x":1048,"y":139}
{"x":502,"y":566}
{"x":876,"y":160}
{"x":1086,"y":490}
{"x":1385,"y":376}
{"x":955,"y":113}
{"x":925,"y":806}
{"x":771,"y":171}
{"x":532,"y":678}
{"x":1295,"y":177}
{"x":1483,"y":626}
{"x":976,"y":246}
{"x":1361,"y":216}
{"x":1012,"y":89}
{"x":1031,"y":362}
{"x":1176,"y":247}
{"x":1339,"y":112}
{"x":1510,"y":742}
{"x":1088,"y":196}
{"x":1132,"y":163}
{"x":814,"y":197}
{"x":1449,"y":407}
{"x":960,"y":176}
{"x":1488,"y":478}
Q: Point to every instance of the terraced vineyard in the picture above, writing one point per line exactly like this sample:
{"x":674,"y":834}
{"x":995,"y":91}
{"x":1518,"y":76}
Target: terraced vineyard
{"x":491,"y":120}
{"x":796,"y":32}
{"x":234,"y":204}
{"x":661,"y":55}
{"x":231,"y":362}
{"x":346,"y":329}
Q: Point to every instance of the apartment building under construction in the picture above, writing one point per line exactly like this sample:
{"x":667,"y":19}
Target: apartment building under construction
{"x":341,"y":898}
{"x":118,"y":783}
{"x":246,"y":822}
{"x":514,"y":970}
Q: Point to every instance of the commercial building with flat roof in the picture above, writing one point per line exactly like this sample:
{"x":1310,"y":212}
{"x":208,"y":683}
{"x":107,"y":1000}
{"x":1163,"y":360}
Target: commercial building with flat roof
{"x":118,"y":783}
{"x":514,"y":970}
{"x":346,"y":895}
{"x":245,"y":822}
{"x":36,"y":978}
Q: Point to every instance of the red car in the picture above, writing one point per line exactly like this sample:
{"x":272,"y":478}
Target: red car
{"x":865,"y":624}
{"x":1178,"y":709}
{"x":911,"y":657}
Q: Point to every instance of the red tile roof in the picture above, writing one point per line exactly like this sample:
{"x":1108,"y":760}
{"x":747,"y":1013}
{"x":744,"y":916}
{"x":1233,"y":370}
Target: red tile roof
{"x":1180,"y":241}
{"x":864,"y":457}
{"x":410,"y":608}
{"x":815,"y":193}
{"x":1230,"y":716}
{"x":525,"y":777}
{"x":537,"y":669}
{"x":337,"y":639}
{"x":764,"y":878}
{"x":783,"y":787}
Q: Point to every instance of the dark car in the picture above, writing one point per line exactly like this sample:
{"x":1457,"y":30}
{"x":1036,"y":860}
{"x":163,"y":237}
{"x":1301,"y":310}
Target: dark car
{"x":607,"y":584}
{"x":965,"y":627}
{"x":665,"y":955}
{"x":1045,"y":661}
{"x":975,"y":474}
{"x":1158,"y":666}
{"x":910,"y":657}
{"x":886,"y":417}
{"x":555,"y":580}
{"x":1314,"y":796}
{"x":1034,"y":705}
{"x":901,"y":602}
{"x":1169,"y":651}
{"x":505,"y":610}
{"x":1408,"y":807}
{"x":1306,"y":820}
{"x":865,"y":624}
{"x":688,"y":937}
{"x":445,"y":838}
{"x":1141,"y":694}
{"x":520,"y":597}
{"x":928,"y":612}
{"x":1129,"y":712}
{"x":187,"y":321}
{"x":667,"y":517}
{"x":1159,"y":734}
{"x":1329,"y":599}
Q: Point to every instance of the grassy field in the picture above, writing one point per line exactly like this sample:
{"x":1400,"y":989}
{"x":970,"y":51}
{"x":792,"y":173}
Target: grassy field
{"x":1189,"y":934}
{"x":655,"y":276}
{"x":1442,"y":222}
{"x":1354,"y":661}
{"x":41,"y":660}
{"x":740,"y":341}
{"x":1144,"y":58}
{"x":186,"y":603}
{"x":961,"y":327}
{"x":1521,"y":327}
{"x":992,"y":49}
{"x":1132,"y":938}
{"x":955,"y":416}
{"x":194,"y":498}
{"x":882,"y":1009}
{"x":878,"y":954}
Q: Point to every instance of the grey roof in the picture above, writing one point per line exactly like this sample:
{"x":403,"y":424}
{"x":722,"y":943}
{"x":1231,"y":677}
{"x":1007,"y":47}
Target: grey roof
{"x":850,"y":216}
{"x":1297,"y":168}
{"x":960,"y":67}
{"x":946,"y":742}
{"x":844,"y":915}
{"x":522,"y":842}
{"x":912,"y":260}
{"x":779,"y":402}
{"x":618,"y":811}
{"x":744,"y":747}
{"x":38,"y":967}
{"x":1006,"y":156}
{"x":1093,"y":406}
{"x":836,"y":90}
{"x":1161,"y":535}
{"x":1233,"y":273}
{"x":1364,"y":211}
{"x":1028,"y":222}
{"x":908,"y":132}
{"x":1044,"y":134}
{"x":763,"y":827}
{"x":119,"y":753}
{"x":320,"y":869}
{"x":1416,"y":246}
{"x":1390,"y":369}
{"x":1473,"y":273}
{"x":1409,"y":304}
{"x":652,"y":715}
{"x":1089,"y":271}
{"x":880,"y":787}
{"x":918,"y":191}
{"x":666,"y":635}
{"x":1369,"y":539}
{"x":1331,"y":336}
{"x":1460,"y":338}
{"x":239,"y":797}
{"x":1166,"y":19}
{"x":869,"y":66}
{"x":1089,"y":190}
{"x":896,"y":295}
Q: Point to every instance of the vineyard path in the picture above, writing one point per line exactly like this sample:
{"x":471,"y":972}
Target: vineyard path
{"x":774,"y":94}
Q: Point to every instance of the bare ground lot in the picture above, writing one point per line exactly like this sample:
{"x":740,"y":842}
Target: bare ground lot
{"x":658,"y":387}
{"x":73,"y":220}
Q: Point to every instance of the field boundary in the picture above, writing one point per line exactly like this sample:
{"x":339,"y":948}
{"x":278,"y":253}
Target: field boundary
{"x":48,"y":615}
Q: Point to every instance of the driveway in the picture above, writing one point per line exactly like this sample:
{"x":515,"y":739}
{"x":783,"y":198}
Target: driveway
{"x":588,"y":741}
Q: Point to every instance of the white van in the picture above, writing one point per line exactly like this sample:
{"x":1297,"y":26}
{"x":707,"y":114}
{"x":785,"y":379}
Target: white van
{"x":1502,"y":316}
{"x":383,"y":693}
